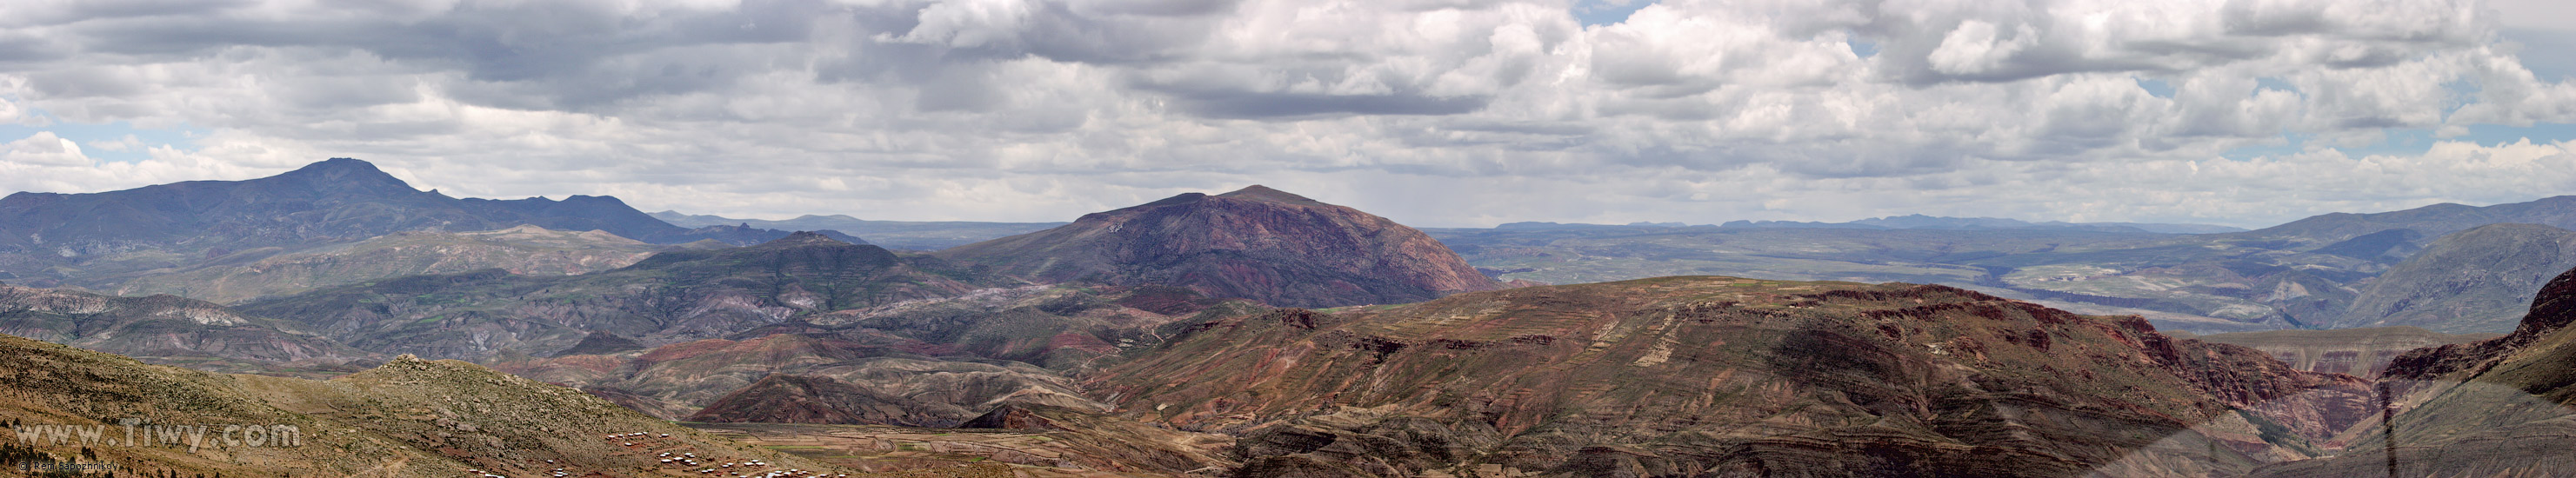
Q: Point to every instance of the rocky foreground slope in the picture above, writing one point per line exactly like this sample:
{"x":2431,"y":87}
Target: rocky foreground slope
{"x":1692,"y":376}
{"x":407,"y":418}
{"x":1256,"y":243}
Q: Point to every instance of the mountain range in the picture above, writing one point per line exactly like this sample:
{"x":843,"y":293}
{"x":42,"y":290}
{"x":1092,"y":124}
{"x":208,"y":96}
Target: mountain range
{"x":1262,"y":333}
{"x":2304,"y":274}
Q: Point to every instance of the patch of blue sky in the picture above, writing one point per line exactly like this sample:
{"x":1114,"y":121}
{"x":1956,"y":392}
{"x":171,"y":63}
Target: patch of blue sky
{"x":96,"y":140}
{"x":1864,"y":48}
{"x":2156,"y":87}
{"x":1604,"y":12}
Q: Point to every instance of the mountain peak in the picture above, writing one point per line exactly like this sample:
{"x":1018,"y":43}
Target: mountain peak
{"x":346,"y":175}
{"x":340,"y":166}
{"x":1256,"y":243}
{"x":1264,"y":193}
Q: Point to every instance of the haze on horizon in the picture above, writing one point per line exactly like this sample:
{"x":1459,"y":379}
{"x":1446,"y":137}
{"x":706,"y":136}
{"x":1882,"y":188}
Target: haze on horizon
{"x":1433,"y":113}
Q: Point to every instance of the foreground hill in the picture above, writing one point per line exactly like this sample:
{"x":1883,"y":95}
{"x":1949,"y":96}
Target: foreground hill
{"x":76,"y":238}
{"x":1256,"y":243}
{"x":407,"y":418}
{"x":670,"y":297}
{"x":2478,"y":280}
{"x":933,"y":362}
{"x":525,"y":250}
{"x":1686,"y":376}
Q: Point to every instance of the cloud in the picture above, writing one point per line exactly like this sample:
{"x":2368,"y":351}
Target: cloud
{"x":1474,"y":111}
{"x":43,"y":149}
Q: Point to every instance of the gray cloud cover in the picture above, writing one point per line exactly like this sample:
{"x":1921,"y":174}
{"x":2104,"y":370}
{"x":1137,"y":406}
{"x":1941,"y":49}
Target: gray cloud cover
{"x":1434,"y":112}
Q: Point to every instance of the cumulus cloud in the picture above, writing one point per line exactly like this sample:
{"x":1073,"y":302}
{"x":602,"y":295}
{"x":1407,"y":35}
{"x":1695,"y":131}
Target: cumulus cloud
{"x":1438,"y":112}
{"x":43,"y":149}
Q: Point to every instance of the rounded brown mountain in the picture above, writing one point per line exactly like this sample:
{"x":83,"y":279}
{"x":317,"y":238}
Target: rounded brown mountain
{"x":1256,"y":243}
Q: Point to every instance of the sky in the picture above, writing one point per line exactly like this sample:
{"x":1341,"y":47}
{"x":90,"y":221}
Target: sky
{"x":1437,"y":113}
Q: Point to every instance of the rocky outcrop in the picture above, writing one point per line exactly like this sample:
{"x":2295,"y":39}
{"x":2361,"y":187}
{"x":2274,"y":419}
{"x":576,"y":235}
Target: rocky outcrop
{"x":1256,"y":243}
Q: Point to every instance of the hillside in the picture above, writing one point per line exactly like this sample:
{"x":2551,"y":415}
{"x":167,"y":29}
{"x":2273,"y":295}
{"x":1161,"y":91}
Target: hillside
{"x":2477,"y":280}
{"x":524,"y":250}
{"x":408,"y":418}
{"x":1256,"y":243}
{"x":1685,"y":376}
{"x":171,"y":330}
{"x":2499,"y":407}
{"x":2428,"y":221}
{"x":932,"y":362}
{"x":670,"y":297}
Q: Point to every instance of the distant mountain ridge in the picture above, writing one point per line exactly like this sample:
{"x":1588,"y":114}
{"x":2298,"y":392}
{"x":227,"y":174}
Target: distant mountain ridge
{"x":520,"y":250}
{"x":65,"y":238}
{"x":900,"y":235}
{"x":1255,"y":243}
{"x":2430,"y":221}
{"x":2476,"y":280}
{"x":1918,"y":221}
